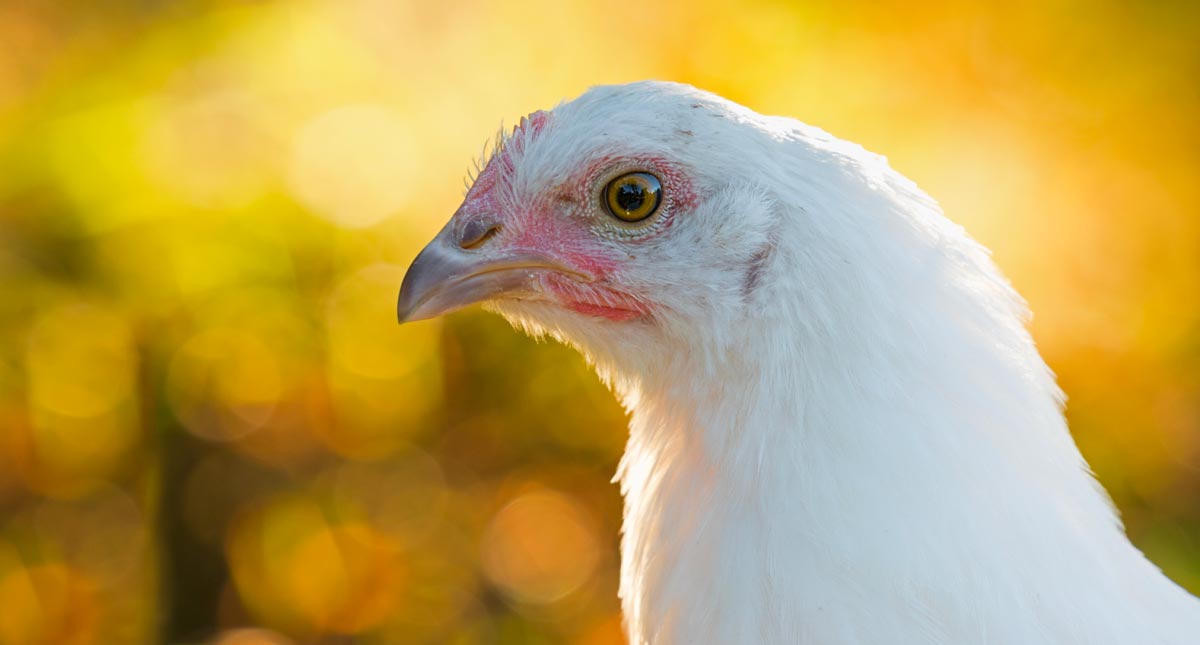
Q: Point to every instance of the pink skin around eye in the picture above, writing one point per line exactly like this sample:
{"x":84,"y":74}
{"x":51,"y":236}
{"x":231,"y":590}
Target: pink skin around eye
{"x":539,"y":226}
{"x":576,"y":246}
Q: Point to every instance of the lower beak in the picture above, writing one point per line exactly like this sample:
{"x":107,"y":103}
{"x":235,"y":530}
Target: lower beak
{"x":445,"y":277}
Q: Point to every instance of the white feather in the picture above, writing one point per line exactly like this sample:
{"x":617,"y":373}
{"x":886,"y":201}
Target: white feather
{"x":841,"y":431}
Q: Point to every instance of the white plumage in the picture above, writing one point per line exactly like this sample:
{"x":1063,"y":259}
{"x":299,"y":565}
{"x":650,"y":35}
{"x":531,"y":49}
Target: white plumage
{"x":841,"y":431}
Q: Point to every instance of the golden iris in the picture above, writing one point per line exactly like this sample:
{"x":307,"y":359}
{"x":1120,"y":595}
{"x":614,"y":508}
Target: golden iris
{"x":633,"y":197}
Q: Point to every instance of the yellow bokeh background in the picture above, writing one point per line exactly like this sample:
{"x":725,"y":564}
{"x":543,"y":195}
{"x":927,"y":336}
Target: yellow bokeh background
{"x":212,"y":430}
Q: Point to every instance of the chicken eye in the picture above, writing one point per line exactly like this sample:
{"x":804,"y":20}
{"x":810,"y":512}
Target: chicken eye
{"x":633,"y":197}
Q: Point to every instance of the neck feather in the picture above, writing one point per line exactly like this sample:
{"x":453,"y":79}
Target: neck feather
{"x":910,"y":459}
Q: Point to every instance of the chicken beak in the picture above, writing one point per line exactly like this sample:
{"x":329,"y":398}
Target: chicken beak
{"x":445,"y":277}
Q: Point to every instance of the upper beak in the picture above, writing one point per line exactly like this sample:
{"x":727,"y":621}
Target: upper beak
{"x":445,"y":277}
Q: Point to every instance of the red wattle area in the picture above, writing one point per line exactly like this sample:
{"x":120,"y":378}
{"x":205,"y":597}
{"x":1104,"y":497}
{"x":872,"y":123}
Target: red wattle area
{"x":608,"y":313}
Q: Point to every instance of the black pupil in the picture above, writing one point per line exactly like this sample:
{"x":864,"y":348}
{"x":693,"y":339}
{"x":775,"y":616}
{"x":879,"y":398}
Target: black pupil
{"x":630,"y":196}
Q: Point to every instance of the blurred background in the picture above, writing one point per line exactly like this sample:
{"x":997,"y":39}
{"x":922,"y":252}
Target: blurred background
{"x":212,"y":429}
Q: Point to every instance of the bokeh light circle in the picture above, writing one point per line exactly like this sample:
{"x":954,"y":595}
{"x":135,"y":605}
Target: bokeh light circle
{"x":296,"y":569}
{"x":46,"y":602}
{"x":224,"y":383}
{"x":81,"y":360}
{"x":354,"y":165}
{"x":540,"y":547}
{"x":82,"y":366}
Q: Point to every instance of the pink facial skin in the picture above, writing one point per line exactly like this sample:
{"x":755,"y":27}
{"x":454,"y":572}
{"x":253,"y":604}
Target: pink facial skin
{"x":554,"y":224}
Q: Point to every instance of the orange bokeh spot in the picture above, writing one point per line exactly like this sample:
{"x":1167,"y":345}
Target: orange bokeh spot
{"x":540,"y":547}
{"x":47,"y":604}
{"x":297,"y":570}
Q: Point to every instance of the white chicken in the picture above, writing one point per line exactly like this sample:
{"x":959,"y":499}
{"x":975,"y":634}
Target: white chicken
{"x":841,"y":431}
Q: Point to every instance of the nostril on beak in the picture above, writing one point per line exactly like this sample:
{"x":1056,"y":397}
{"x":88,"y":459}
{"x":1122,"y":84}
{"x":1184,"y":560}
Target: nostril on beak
{"x":476,"y":232}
